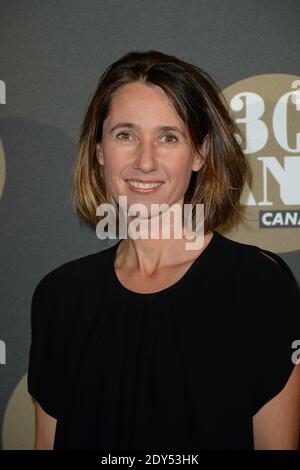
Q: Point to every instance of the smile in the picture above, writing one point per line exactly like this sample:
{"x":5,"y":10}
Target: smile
{"x":140,"y":187}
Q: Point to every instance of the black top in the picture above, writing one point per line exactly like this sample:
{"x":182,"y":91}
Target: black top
{"x":182,"y":368}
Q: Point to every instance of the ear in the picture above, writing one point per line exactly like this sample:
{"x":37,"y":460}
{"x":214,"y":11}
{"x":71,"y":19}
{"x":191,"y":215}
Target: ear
{"x":99,"y":153}
{"x":200,"y":156}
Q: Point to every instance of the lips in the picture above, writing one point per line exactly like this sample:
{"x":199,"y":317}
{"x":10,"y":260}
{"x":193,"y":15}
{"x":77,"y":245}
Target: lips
{"x":144,"y":181}
{"x":144,"y":186}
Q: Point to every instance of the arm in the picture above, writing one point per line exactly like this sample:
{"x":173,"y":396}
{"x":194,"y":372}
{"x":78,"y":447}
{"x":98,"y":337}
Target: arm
{"x":276,"y":425}
{"x":45,"y":426}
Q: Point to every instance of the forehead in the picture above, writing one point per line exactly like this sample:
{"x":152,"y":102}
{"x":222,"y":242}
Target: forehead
{"x":142,"y":101}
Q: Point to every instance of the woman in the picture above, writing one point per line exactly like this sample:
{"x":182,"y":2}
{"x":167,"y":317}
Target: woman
{"x":147,"y":344}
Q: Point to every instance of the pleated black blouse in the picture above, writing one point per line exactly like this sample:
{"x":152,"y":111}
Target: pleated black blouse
{"x":186,"y":367}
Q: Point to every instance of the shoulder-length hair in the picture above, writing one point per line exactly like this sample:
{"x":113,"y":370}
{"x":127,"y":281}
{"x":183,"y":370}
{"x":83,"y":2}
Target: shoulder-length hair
{"x":204,"y":110}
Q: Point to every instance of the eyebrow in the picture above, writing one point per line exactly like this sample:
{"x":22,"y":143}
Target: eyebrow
{"x":131,"y":125}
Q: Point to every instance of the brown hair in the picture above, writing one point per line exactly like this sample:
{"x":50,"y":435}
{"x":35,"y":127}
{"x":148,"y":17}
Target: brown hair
{"x":204,"y":110}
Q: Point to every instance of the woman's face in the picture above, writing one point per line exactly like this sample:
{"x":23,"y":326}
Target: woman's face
{"x":144,"y":139}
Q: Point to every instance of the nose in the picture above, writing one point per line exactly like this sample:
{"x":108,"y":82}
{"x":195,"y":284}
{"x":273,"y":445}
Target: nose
{"x":145,"y":160}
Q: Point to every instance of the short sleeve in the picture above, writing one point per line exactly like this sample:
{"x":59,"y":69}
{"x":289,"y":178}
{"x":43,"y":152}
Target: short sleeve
{"x":273,"y":313}
{"x":46,"y":357}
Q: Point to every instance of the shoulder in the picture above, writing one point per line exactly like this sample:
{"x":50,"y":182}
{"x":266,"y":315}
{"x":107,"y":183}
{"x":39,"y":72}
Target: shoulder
{"x":268,"y":317}
{"x":64,"y":303}
{"x":255,"y":263}
{"x":73,"y":274}
{"x":267,"y":295}
{"x":72,"y":283}
{"x":67,"y":295}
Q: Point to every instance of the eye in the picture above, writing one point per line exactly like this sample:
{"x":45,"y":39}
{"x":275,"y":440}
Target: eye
{"x":122,"y":134}
{"x":172,"y":137}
